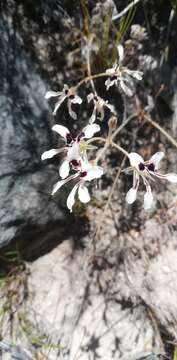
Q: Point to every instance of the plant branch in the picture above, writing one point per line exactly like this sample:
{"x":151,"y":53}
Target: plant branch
{"x":164,"y":132}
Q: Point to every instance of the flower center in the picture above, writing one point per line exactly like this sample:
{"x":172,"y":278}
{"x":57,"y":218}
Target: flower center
{"x":151,"y":167}
{"x":141,"y":166}
{"x":83,"y":173}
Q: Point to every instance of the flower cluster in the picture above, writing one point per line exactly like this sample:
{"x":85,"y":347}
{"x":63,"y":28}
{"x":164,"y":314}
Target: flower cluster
{"x":76,"y":160}
{"x":76,"y":166}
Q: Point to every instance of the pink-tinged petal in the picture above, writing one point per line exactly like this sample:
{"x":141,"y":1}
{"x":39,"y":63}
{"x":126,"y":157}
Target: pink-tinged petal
{"x":120,"y":50}
{"x":90,"y":130}
{"x":171,"y":177}
{"x":135,"y":159}
{"x":58,"y":103}
{"x":93,"y":116}
{"x":76,"y":100}
{"x":50,"y":94}
{"x":61,"y":130}
{"x":131,"y":196}
{"x":64,"y":169}
{"x":125,"y":88}
{"x":94,"y":173}
{"x":71,"y":198}
{"x":148,"y":199}
{"x":83,"y":194}
{"x":71,"y":112}
{"x":50,"y":153}
{"x":90,"y":97}
{"x":156,"y":158}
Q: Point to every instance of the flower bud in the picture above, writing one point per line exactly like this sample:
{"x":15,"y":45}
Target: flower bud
{"x":112,"y":123}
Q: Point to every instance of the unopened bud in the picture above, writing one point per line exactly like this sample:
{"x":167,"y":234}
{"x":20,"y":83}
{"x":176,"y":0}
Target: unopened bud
{"x":112,"y":123}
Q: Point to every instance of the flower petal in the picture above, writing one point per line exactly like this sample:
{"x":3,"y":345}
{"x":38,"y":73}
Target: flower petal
{"x":64,"y":169}
{"x":58,"y":185}
{"x":90,"y":130}
{"x":110,"y":83}
{"x":71,"y":198}
{"x":171,"y":177}
{"x":61,"y":130}
{"x":135,"y":159}
{"x":93,"y":116}
{"x":156,"y":158}
{"x":50,"y":94}
{"x":120,"y":50}
{"x":131,"y":196}
{"x":135,"y":74}
{"x":76,"y":100}
{"x":125,"y":88}
{"x":93,"y":173}
{"x":148,"y":199}
{"x":71,"y":112}
{"x":73,"y":152}
{"x":58,"y":103}
{"x":50,"y":153}
{"x":83,"y":194}
{"x":90,"y":97}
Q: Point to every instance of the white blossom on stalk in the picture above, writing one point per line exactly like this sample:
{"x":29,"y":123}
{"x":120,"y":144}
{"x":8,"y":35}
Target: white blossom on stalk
{"x":147,"y":170}
{"x":67,"y":93}
{"x":87,"y":171}
{"x":75,"y":147}
{"x":99,"y":105}
{"x":122,"y":76}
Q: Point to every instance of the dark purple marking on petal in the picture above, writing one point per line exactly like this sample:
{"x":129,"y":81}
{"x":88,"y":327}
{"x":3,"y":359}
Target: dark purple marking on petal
{"x":83,"y":174}
{"x":71,"y":97}
{"x":151,"y":167}
{"x":80,"y":136}
{"x":66,"y":92}
{"x":96,"y":98}
{"x":74,"y":163}
{"x":114,"y":77}
{"x":69,"y":138}
{"x":141,"y":166}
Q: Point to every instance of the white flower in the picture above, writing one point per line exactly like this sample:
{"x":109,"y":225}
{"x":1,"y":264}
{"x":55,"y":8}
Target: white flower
{"x":121,"y":76}
{"x":99,"y":105}
{"x":75,"y":147}
{"x":66,"y":93}
{"x":86,"y":172}
{"x":147,"y":170}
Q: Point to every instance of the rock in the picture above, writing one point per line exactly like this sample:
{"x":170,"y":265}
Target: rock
{"x":27,"y":211}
